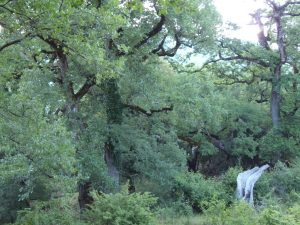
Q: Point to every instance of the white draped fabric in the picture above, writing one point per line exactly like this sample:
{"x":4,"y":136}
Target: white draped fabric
{"x":246,"y":181}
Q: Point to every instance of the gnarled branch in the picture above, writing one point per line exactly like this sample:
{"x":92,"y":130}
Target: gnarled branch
{"x":147,"y":112}
{"x":156,"y":29}
{"x":90,"y":82}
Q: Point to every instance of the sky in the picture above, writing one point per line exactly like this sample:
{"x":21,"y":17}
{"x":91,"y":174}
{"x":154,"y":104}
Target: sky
{"x":237,"y":11}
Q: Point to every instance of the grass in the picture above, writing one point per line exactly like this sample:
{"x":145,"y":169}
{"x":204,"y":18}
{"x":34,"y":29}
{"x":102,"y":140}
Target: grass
{"x":189,"y":220}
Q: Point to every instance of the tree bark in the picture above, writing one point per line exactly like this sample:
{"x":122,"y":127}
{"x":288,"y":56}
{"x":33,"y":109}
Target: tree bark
{"x":275,"y":67}
{"x":84,"y":198}
{"x":109,"y":159}
{"x":275,"y":98}
{"x":114,"y":111}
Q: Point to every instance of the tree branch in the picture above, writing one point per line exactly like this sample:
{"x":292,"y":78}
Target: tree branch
{"x":213,"y":139}
{"x":160,"y":51}
{"x":290,"y":3}
{"x":160,"y":45}
{"x":156,"y":29}
{"x":237,"y":57}
{"x":12,"y":11}
{"x":5,"y":3}
{"x":145,"y":112}
{"x":189,"y":140}
{"x":61,"y":5}
{"x":91,"y":81}
{"x":6,"y":45}
{"x":216,"y":141}
{"x":291,"y":14}
{"x":262,"y":39}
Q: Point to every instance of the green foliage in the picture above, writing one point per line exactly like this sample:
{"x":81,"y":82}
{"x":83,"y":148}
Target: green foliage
{"x":121,"y":209}
{"x":147,"y":151}
{"x":36,"y":155}
{"x":285,"y":180}
{"x":176,"y":209}
{"x":91,"y":163}
{"x":229,"y":182}
{"x":239,"y":213}
{"x":194,"y":189}
{"x":273,"y":147}
{"x":242,"y":213}
{"x":273,"y":216}
{"x":10,"y":203}
{"x":62,"y":211}
{"x":83,"y":78}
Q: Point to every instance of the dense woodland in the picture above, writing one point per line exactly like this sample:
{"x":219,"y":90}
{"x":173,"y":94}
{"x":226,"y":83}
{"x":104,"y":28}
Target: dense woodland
{"x":105,"y":120}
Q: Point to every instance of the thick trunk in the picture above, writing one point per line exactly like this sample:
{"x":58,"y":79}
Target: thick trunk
{"x":84,"y":197}
{"x":114,"y":106}
{"x":131,"y":187}
{"x":112,"y":170}
{"x":114,"y":110}
{"x":71,"y":108}
{"x":275,"y":67}
{"x":194,"y":159}
{"x":275,"y":98}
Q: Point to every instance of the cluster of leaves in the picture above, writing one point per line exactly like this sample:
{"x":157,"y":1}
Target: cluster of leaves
{"x":194,"y":189}
{"x":37,"y":156}
{"x":84,"y":89}
{"x":240,"y":213}
{"x":119,"y":208}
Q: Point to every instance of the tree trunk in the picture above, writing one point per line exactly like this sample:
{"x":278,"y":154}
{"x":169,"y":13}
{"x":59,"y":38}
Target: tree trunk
{"x":114,"y":106}
{"x":275,"y":98}
{"x":275,"y":67}
{"x":84,"y":198}
{"x":112,"y":170}
{"x":114,"y":111}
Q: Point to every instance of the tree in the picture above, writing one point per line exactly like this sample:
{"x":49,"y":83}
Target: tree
{"x":278,"y":19}
{"x":85,"y":48}
{"x":278,"y":14}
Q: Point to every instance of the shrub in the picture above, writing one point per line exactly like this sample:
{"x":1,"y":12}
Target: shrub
{"x":121,"y":209}
{"x":241,"y":213}
{"x":9,"y":198}
{"x":193,"y":188}
{"x":60,"y":211}
{"x":229,"y":182}
{"x":286,"y":179}
{"x":174,"y":211}
{"x":238,"y":213}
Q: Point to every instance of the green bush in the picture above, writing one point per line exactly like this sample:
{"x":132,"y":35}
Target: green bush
{"x":193,"y":188}
{"x":62,"y":211}
{"x":174,"y":211}
{"x":228,"y":180}
{"x":241,"y":213}
{"x":274,"y":217}
{"x":237,"y":214}
{"x":273,"y":147}
{"x":286,"y":179}
{"x":9,"y":198}
{"x":121,"y":209}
